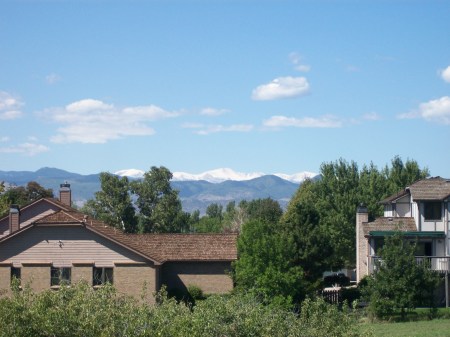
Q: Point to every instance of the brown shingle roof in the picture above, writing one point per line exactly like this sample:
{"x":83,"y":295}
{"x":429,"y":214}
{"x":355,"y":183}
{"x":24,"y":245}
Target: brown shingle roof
{"x":436,"y":188}
{"x":157,"y":247}
{"x":390,"y":224}
{"x":189,"y":247}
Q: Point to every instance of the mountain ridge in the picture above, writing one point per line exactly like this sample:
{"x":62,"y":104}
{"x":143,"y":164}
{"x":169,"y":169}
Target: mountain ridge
{"x":194,"y":194}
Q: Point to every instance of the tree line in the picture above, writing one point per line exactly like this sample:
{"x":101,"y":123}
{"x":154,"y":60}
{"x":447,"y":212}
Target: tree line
{"x":282,"y":254}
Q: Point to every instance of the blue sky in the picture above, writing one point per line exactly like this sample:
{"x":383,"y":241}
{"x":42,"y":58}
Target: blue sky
{"x":268,"y":86}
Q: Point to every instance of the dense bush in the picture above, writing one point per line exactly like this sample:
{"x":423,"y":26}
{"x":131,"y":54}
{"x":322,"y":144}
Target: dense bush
{"x":82,"y":311}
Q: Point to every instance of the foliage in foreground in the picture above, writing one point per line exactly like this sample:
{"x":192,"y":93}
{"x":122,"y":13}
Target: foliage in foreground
{"x":82,"y":311}
{"x":400,"y":283}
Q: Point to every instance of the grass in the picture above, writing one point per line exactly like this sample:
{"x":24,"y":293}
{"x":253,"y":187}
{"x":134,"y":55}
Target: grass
{"x":437,"y":327}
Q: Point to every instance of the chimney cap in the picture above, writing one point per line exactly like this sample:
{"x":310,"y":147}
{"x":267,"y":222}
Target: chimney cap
{"x":362,"y":209}
{"x":14,"y":208}
{"x":65,"y":185}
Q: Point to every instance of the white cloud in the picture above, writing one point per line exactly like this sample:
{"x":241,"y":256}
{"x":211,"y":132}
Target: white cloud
{"x":208,"y":129}
{"x":212,"y":111}
{"x":371,"y":116}
{"x":93,"y":121}
{"x":4,"y":139}
{"x":445,"y":74}
{"x":327,"y":121}
{"x":296,"y":61}
{"x":437,"y":111}
{"x":52,"y":78}
{"x":281,"y":87}
{"x":9,"y":106}
{"x":28,"y":149}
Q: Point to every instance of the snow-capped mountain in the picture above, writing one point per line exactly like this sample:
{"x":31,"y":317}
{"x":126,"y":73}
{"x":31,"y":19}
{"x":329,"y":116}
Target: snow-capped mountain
{"x":131,"y":173}
{"x":221,"y":175}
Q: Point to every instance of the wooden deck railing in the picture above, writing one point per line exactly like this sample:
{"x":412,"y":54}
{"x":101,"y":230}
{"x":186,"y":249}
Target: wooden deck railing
{"x":437,"y":263}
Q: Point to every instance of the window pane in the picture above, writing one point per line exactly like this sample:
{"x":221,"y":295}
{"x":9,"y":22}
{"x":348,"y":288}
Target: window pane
{"x":97,"y":276}
{"x":60,"y":276}
{"x":15,"y":273}
{"x":109,"y":275}
{"x":102,"y":275}
{"x":433,"y":210}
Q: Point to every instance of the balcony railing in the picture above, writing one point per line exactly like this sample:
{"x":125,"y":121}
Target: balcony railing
{"x":437,"y":263}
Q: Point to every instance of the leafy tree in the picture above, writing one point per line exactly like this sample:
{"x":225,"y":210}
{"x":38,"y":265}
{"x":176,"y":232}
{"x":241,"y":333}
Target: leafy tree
{"x":158,"y":204}
{"x":267,"y":209}
{"x":113,"y":204}
{"x":23,"y":195}
{"x":311,"y":242}
{"x":342,"y":188}
{"x":265,"y":266}
{"x":400,"y":283}
{"x":3,"y":201}
{"x":214,"y":211}
{"x":208,"y":225}
{"x":402,"y":174}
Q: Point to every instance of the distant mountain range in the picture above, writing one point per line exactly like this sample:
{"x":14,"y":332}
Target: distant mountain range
{"x":197,"y":191}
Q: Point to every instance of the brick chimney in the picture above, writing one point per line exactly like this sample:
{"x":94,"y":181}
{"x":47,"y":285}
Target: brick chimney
{"x":362,"y":216}
{"x":65,"y":194}
{"x":14,"y":218}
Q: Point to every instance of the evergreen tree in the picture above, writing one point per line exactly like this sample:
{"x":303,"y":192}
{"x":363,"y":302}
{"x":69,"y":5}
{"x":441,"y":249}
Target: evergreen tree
{"x":399,"y":282}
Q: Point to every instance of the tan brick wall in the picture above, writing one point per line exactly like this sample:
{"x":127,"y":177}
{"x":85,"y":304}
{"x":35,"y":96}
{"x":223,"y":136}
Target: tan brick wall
{"x":5,"y":276}
{"x":211,"y":277}
{"x":129,"y":279}
{"x":361,"y":246}
{"x":38,"y":276}
{"x":82,"y":273}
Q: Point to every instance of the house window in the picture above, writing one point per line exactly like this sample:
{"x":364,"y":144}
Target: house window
{"x":15,"y":274}
{"x":424,"y":249}
{"x":59,"y":276}
{"x":102,"y":275}
{"x":378,"y":245}
{"x":433,"y":210}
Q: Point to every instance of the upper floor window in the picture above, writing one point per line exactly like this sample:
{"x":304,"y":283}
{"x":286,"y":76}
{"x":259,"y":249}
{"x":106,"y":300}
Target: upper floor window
{"x":102,"y":275}
{"x":59,"y":276}
{"x":433,"y":210}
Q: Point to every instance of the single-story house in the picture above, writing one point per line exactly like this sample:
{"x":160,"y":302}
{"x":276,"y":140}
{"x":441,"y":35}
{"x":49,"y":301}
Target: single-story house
{"x":47,"y":243}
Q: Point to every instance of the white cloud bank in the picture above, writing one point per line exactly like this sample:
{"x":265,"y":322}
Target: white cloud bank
{"x":9,"y":106}
{"x":445,"y":74}
{"x":213,"y":111}
{"x":28,"y":149}
{"x":437,"y":111}
{"x":93,"y":121}
{"x":281,"y":87}
{"x":203,"y":130}
{"x":327,"y":121}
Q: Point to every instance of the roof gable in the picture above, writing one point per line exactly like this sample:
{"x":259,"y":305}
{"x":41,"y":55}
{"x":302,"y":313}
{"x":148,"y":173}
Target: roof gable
{"x":158,"y":248}
{"x":435,"y":188}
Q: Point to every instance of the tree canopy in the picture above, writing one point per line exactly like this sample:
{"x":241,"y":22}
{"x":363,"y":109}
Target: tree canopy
{"x":113,"y":203}
{"x":400,"y":282}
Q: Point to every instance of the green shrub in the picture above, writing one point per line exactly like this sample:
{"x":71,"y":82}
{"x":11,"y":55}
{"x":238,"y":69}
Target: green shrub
{"x":80,"y":310}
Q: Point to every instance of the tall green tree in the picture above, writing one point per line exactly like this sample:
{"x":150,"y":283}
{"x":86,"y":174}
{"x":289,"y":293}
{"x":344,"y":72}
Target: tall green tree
{"x":265,"y":267}
{"x":266,"y":209}
{"x":159,"y":205}
{"x":400,"y":283}
{"x":312,"y":246}
{"x":113,"y":203}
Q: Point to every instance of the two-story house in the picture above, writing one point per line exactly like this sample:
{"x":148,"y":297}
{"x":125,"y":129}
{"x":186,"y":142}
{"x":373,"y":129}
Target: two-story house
{"x":422,"y":212}
{"x":47,"y":243}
